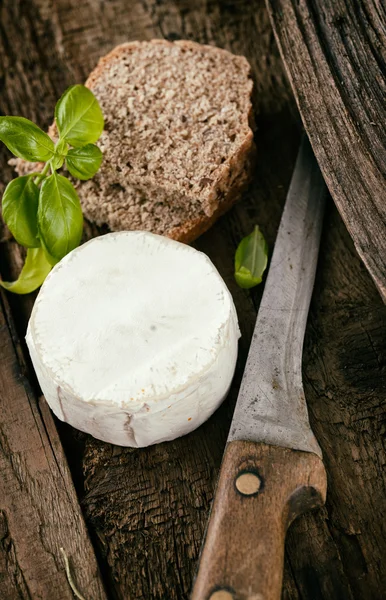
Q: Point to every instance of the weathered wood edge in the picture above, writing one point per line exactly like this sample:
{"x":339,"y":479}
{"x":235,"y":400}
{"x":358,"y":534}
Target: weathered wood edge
{"x":39,"y":510}
{"x":333,"y":53}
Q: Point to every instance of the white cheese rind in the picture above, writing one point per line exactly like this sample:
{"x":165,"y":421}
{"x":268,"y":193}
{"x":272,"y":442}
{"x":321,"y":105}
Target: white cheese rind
{"x":133,"y":338}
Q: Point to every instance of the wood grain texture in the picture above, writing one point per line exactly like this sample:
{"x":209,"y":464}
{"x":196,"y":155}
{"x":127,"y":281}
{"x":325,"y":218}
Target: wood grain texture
{"x":147,"y":509}
{"x":39,"y":510}
{"x":243,"y":552}
{"x":335,"y":54}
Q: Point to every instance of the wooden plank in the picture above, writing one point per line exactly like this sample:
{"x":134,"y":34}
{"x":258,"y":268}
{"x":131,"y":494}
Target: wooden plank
{"x":147,"y":509}
{"x":344,"y":370}
{"x":39,"y":510}
{"x":335,"y":54}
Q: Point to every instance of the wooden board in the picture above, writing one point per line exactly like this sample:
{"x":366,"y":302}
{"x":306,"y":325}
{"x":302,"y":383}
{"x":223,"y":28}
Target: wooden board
{"x":335,"y":54}
{"x":146,"y":509}
{"x":39,"y":510}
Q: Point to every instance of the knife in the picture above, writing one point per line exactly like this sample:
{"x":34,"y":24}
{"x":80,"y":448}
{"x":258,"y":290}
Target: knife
{"x":272,"y":468}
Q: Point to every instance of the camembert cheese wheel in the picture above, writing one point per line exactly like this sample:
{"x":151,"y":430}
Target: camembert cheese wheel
{"x":133,"y":338}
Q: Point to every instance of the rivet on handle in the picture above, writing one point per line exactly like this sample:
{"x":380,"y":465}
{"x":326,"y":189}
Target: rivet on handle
{"x":247,"y":483}
{"x":221,"y":595}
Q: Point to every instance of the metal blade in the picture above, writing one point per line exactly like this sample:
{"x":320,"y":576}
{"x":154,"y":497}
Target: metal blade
{"x":271,"y":406}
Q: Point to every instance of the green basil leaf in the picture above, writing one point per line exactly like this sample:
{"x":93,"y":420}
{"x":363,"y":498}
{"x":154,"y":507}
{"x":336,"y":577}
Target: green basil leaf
{"x":78,"y":116}
{"x":33,"y":273}
{"x":84,"y":162}
{"x":251,"y":259}
{"x":61,"y":149}
{"x":53,"y":261}
{"x":20,"y":208}
{"x":25,"y":139}
{"x":60,"y":218}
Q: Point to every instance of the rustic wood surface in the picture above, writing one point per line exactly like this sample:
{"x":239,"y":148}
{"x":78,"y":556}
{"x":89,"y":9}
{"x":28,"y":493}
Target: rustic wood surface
{"x":261,"y":490}
{"x":335,"y":54}
{"x":146,"y":510}
{"x":39,"y":510}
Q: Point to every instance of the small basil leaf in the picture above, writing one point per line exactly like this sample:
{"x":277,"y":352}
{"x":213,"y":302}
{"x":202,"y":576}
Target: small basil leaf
{"x":25,"y":139}
{"x":78,"y":116}
{"x":251,"y":259}
{"x":60,"y":218}
{"x":61,"y":149}
{"x":20,"y":207}
{"x":84,"y":162}
{"x":33,"y":273}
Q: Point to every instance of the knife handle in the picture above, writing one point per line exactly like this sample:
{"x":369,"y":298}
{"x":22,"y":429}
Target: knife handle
{"x":261,"y":490}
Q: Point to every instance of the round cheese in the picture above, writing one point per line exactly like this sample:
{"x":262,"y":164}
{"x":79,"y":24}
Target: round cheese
{"x":133,"y":338}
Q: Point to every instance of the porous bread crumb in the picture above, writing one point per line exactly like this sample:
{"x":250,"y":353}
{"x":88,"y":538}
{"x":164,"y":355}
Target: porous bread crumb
{"x":177,"y":142}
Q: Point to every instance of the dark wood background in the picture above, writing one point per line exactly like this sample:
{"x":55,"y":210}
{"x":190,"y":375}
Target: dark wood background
{"x":146,"y":510}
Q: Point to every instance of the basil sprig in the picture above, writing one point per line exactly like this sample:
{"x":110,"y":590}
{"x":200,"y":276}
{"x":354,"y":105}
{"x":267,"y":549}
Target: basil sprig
{"x":42,"y":210}
{"x":251,"y":259}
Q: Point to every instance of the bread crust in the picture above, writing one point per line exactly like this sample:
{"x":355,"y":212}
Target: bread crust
{"x":192,"y":229}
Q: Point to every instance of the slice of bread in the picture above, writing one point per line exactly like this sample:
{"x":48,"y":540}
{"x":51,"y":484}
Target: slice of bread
{"x":178,"y":144}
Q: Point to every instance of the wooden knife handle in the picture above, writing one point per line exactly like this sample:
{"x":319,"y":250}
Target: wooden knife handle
{"x":261,"y":490}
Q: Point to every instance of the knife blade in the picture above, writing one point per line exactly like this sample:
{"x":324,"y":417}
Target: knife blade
{"x":272,"y":468}
{"x":271,"y":406}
